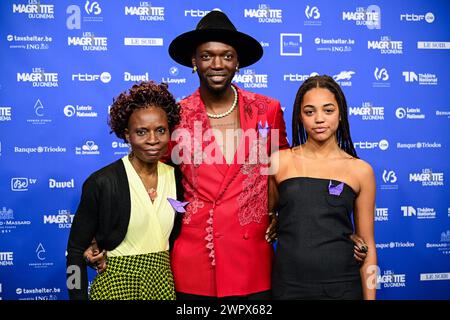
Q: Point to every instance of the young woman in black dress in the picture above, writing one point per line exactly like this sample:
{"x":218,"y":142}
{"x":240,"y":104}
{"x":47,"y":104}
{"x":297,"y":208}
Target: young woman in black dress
{"x":325,"y":194}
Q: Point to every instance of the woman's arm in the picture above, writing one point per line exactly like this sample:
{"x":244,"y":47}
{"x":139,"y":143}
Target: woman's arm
{"x":364,"y":224}
{"x":82,"y":232}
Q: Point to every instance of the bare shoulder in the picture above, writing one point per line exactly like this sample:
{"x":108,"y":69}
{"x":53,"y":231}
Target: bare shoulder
{"x":280,"y":162}
{"x":281,"y":155}
{"x":363,"y":170}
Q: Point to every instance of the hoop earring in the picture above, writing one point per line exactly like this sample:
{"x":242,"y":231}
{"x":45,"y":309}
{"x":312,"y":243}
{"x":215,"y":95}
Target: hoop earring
{"x":237,"y":69}
{"x":194,"y":69}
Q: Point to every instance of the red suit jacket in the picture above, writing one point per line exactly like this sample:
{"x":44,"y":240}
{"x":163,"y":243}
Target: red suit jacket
{"x":221,"y":250}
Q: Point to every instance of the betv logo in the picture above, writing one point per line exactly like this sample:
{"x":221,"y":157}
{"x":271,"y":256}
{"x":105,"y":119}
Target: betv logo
{"x":381,"y":74}
{"x":389,"y":176}
{"x":312,"y":12}
{"x":21,"y":184}
{"x":408,"y":211}
{"x":53,"y":184}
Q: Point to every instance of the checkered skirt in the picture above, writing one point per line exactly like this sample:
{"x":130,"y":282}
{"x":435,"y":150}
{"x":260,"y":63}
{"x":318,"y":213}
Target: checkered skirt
{"x":136,"y":277}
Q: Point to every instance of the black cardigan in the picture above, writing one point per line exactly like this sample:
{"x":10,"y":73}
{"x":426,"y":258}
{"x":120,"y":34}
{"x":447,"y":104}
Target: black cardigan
{"x":103,"y":213}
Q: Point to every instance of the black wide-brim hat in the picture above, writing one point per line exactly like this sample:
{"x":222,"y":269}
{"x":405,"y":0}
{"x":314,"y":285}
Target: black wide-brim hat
{"x":215,"y":26}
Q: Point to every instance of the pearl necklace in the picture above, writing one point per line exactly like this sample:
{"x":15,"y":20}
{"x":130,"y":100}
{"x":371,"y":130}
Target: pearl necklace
{"x":233,"y":106}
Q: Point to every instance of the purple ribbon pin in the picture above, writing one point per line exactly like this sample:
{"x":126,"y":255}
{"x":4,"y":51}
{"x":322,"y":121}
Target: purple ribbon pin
{"x":263,"y":131}
{"x":335,"y":190}
{"x":178,"y":206}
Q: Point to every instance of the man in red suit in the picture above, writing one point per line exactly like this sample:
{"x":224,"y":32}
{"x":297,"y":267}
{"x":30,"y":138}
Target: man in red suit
{"x":227,"y":134}
{"x":222,"y":144}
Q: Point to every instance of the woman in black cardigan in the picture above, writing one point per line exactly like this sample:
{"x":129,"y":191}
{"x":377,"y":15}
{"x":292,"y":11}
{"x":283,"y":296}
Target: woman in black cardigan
{"x":125,"y":206}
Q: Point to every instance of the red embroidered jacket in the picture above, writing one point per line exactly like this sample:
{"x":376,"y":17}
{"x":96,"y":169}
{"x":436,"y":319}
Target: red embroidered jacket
{"x":221,"y":250}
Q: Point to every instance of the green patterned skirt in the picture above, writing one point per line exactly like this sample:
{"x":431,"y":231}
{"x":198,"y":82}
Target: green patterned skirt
{"x":137,"y":277}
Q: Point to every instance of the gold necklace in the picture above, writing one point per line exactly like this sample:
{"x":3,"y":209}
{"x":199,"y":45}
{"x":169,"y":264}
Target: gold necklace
{"x":221,"y":115}
{"x":151,"y":191}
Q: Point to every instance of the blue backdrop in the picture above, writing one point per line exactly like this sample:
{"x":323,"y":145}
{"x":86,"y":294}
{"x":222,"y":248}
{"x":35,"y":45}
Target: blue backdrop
{"x":64,"y":61}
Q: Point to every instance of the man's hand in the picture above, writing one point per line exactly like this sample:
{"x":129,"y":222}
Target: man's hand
{"x":271,"y":233}
{"x":360,"y":248}
{"x":94,"y":258}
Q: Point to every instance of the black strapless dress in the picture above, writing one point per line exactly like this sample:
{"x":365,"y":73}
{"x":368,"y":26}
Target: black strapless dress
{"x":314,"y":255}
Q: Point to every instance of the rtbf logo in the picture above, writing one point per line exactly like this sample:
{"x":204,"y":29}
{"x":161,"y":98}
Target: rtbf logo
{"x":383,"y":145}
{"x":104,"y":77}
{"x":412,"y":17}
{"x":198,"y":13}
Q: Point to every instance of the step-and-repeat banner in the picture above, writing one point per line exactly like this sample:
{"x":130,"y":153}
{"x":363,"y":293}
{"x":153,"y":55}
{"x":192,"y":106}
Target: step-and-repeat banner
{"x":63,"y":62}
